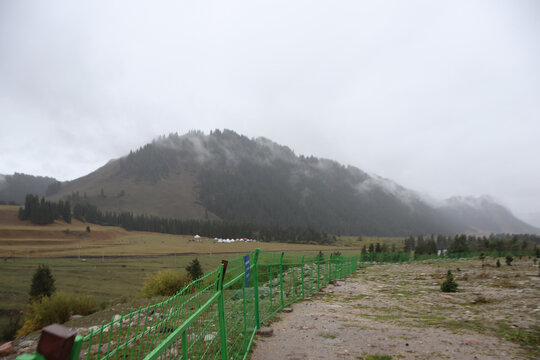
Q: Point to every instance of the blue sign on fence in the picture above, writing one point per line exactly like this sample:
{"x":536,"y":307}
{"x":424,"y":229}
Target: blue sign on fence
{"x":246,"y":264}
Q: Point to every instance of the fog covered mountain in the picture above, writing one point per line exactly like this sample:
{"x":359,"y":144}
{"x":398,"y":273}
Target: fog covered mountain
{"x":484,"y":215}
{"x":224,"y":175}
{"x":13,"y":188}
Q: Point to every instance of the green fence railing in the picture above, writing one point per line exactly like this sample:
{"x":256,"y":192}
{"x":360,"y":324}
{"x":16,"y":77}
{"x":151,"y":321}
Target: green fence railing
{"x":216,"y":316}
{"x":410,"y":257}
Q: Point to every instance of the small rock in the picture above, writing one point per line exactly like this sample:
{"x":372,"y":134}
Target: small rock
{"x":73,"y":317}
{"x":210,"y":337}
{"x":94,"y":328}
{"x":116,"y":317}
{"x":287,"y":310}
{"x":26,"y":343}
{"x":265,"y":331}
{"x":7,"y":349}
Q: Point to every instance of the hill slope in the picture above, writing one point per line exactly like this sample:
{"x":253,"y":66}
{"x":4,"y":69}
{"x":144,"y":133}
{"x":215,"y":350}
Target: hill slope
{"x":484,"y":215}
{"x":227,"y":176}
{"x":13,"y":188}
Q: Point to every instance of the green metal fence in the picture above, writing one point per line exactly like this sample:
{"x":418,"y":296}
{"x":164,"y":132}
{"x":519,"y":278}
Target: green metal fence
{"x":216,"y":316}
{"x":402,"y":257}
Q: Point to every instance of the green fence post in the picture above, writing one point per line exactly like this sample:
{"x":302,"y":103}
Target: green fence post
{"x":318,"y":273}
{"x":184,"y":345}
{"x":281,"y":279}
{"x":76,"y":348}
{"x":330,"y":268}
{"x":256,"y":286}
{"x":302,"y":276}
{"x":221,"y":315}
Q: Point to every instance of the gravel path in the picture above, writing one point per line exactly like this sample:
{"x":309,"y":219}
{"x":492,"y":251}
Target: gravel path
{"x":398,"y":310}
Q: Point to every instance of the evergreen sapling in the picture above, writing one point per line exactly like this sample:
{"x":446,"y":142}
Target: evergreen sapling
{"x":449,"y":285}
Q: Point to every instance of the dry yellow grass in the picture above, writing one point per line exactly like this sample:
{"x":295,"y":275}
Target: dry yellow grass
{"x":24,"y":239}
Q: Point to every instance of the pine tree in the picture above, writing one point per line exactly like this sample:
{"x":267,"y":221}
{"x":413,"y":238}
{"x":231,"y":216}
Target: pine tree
{"x":449,"y":285}
{"x":194,"y":269}
{"x":42,"y":283}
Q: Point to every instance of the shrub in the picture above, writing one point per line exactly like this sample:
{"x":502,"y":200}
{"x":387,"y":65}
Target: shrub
{"x":449,"y":285}
{"x":42,"y":282}
{"x":164,"y":283}
{"x":55,"y":309}
{"x":509,"y":260}
{"x":378,"y":357}
{"x":482,"y":257}
{"x":10,"y":329}
{"x":481,"y":299}
{"x":498,"y":263}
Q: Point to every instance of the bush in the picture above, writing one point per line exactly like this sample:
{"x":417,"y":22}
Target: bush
{"x":57,"y":308}
{"x":481,"y":299}
{"x":449,"y":285}
{"x":10,"y":329}
{"x":498,"y":263}
{"x":509,"y":260}
{"x":164,"y":283}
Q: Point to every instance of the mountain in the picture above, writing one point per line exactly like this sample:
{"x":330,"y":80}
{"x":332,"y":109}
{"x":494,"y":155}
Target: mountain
{"x":13,"y":188}
{"x":227,"y":176}
{"x":484,"y":215}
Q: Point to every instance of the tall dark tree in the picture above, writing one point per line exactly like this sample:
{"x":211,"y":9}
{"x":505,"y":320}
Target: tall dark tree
{"x":42,"y":282}
{"x":194,"y":269}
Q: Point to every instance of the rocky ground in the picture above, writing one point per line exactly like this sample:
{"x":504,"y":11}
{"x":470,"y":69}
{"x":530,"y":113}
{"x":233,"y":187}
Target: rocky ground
{"x":398,"y":312}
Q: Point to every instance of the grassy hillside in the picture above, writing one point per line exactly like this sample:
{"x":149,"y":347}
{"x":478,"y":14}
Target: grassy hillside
{"x":174,"y":196}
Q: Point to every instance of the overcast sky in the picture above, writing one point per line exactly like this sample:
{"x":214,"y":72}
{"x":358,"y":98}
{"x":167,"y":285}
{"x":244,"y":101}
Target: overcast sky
{"x":441,"y":97}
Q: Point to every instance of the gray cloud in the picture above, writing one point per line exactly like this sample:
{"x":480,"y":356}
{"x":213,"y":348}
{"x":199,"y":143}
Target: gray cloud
{"x":441,"y":98}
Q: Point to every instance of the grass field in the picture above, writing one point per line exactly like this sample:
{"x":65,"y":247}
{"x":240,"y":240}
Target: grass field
{"x":109,"y":263}
{"x":23,"y":239}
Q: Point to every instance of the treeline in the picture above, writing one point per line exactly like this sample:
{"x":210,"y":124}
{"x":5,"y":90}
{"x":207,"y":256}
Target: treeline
{"x":469,"y":243}
{"x":294,"y":234}
{"x":41,"y":212}
{"x":378,"y":248}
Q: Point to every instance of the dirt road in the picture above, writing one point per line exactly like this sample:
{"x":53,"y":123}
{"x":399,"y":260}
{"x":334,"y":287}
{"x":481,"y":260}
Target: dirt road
{"x":399,"y":311}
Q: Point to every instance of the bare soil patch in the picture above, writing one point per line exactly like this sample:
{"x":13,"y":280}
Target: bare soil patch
{"x":399,"y":311}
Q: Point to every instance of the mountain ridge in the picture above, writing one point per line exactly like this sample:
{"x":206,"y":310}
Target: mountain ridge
{"x":227,"y":176}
